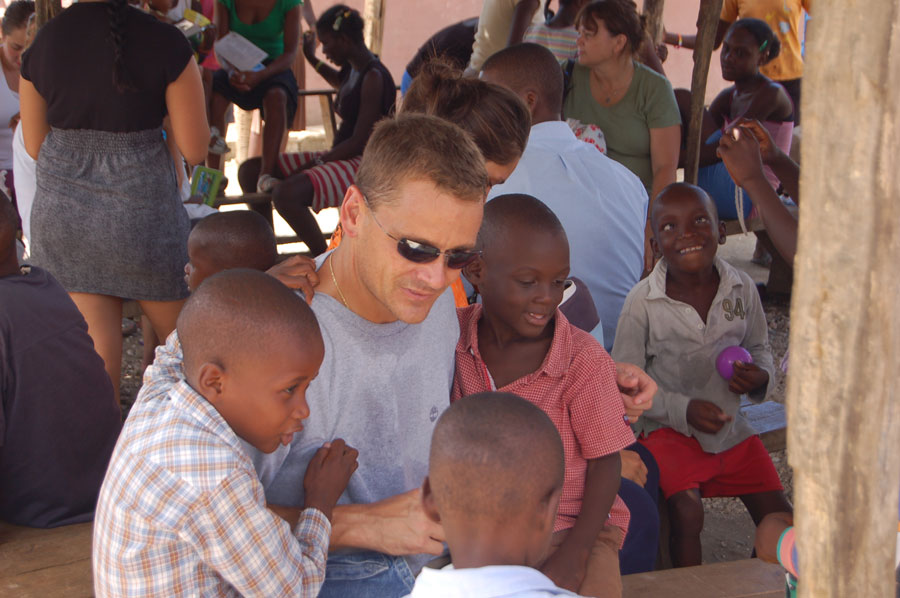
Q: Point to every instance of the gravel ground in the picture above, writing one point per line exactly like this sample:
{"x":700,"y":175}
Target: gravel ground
{"x":728,"y":529}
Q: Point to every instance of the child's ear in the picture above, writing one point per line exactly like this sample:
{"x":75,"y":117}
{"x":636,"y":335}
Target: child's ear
{"x":654,"y":246}
{"x":428,"y":504}
{"x":721,"y":233}
{"x":211,"y":381}
{"x":474,"y":272}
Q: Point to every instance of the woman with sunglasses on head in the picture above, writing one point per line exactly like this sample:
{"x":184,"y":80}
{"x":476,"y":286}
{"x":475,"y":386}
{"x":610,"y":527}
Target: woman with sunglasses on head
{"x":365,"y":94}
{"x":107,"y":219}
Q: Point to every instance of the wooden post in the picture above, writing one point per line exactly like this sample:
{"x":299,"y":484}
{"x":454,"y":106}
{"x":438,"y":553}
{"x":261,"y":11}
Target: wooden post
{"x":653,"y":10}
{"x":373,"y":14}
{"x":843,"y":403}
{"x":707,"y":23}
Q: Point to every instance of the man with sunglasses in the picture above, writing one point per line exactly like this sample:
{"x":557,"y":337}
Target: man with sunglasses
{"x":390,"y":328}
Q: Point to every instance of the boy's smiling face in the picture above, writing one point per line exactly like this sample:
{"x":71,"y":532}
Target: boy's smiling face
{"x":521,"y":278}
{"x":686,"y":230}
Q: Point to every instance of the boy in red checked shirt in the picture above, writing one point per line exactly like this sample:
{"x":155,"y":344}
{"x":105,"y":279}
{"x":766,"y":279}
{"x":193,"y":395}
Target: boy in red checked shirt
{"x":517,"y":341}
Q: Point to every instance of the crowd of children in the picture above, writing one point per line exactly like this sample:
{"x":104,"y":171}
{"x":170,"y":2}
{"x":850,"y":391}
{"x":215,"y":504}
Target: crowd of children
{"x":237,"y":472}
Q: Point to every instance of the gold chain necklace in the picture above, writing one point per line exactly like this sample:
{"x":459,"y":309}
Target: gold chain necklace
{"x":334,"y":280}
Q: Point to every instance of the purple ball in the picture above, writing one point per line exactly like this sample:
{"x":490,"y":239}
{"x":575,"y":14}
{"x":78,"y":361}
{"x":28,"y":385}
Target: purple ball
{"x":725,"y":360}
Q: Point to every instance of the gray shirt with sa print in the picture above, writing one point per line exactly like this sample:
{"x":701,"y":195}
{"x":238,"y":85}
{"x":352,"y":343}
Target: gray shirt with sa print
{"x":669,"y":340}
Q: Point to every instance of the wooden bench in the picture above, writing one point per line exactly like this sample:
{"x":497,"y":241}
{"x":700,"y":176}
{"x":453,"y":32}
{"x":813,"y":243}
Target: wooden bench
{"x":41,"y":563}
{"x":769,"y":419}
{"x":735,"y":579}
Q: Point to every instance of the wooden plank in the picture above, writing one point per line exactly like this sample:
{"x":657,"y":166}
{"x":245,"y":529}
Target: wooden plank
{"x":373,"y":17}
{"x":246,"y":198}
{"x":769,"y":419}
{"x":653,"y":11}
{"x":73,"y":580}
{"x":707,"y":23}
{"x":45,"y":562}
{"x":735,"y":579}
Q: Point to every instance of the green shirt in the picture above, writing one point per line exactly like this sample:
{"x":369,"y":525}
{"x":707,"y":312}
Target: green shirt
{"x":648,"y":104}
{"x":268,"y":34}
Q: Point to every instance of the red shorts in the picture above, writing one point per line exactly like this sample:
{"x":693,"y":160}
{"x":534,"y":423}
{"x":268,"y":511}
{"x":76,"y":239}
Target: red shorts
{"x":743,"y":469}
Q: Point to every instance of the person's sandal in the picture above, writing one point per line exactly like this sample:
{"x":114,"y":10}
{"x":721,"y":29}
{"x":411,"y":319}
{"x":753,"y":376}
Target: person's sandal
{"x":217,"y":143}
{"x":265,"y":183}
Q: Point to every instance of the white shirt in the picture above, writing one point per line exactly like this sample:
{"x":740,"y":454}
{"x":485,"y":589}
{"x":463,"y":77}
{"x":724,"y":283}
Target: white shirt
{"x":602,"y":206}
{"x":24,"y":180}
{"x":485,"y":582}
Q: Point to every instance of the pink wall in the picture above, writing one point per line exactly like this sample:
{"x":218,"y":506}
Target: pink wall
{"x":408,"y":23}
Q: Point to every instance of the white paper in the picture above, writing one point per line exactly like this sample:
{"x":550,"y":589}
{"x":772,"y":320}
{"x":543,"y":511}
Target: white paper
{"x":239,"y":52}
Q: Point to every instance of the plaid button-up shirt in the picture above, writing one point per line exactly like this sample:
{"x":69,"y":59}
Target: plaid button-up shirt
{"x":182,"y":512}
{"x":576,"y":387}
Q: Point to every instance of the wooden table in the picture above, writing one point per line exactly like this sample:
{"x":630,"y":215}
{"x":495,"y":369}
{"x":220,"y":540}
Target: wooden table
{"x":736,"y":579}
{"x":44,"y":563}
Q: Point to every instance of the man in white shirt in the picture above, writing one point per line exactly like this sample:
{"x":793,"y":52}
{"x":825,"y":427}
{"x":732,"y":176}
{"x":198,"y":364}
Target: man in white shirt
{"x":601,"y":204}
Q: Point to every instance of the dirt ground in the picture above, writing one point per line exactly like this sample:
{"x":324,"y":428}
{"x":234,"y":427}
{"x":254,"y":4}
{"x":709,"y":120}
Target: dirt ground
{"x":728,"y":529}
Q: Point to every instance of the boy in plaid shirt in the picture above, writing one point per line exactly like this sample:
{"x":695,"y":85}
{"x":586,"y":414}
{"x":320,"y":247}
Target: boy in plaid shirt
{"x":181,"y":511}
{"x":518,"y":341}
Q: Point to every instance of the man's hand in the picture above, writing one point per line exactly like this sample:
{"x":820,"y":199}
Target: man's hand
{"x":637,"y":390}
{"x":566,"y":567}
{"x":747,"y":378}
{"x":768,"y":151}
{"x":706,"y":417}
{"x":633,"y":467}
{"x":327,"y":475}
{"x":297,"y":272}
{"x":740,"y":152}
{"x":396,"y":525}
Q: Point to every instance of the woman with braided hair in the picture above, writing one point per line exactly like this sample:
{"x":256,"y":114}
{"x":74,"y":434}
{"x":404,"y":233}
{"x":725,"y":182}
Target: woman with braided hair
{"x":107,"y":219}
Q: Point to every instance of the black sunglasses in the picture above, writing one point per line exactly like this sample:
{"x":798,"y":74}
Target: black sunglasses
{"x":421,"y":253}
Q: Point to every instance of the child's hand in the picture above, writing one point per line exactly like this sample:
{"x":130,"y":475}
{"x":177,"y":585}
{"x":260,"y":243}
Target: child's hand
{"x":706,"y":417}
{"x":747,"y":378}
{"x":565,"y":569}
{"x":309,"y":44}
{"x":327,"y":475}
{"x":297,"y":272}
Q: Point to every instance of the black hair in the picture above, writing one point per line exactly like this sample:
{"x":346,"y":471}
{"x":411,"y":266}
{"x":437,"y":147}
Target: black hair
{"x":506,"y":212}
{"x":528,"y":66}
{"x":16,"y":16}
{"x":769,"y":44}
{"x":118,"y":11}
{"x":344,"y":20}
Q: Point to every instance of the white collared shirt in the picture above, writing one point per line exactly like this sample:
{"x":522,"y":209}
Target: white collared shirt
{"x":602,"y":206}
{"x":485,"y":582}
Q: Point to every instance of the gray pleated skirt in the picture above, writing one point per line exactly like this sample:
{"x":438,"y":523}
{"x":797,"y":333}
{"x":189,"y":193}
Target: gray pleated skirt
{"x":107,"y":217}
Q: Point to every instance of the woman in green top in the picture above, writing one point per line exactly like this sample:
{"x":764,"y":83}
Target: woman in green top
{"x":273,"y":26}
{"x":633,"y":105}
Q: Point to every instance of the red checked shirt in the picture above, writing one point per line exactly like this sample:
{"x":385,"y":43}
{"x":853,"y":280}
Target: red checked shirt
{"x":576,"y":387}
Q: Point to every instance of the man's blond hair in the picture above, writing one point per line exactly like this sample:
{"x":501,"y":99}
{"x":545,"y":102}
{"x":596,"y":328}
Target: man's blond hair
{"x":419,"y":147}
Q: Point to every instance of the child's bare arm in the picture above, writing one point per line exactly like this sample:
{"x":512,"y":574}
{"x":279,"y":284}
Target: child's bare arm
{"x":568,"y":565}
{"x":327,"y":475}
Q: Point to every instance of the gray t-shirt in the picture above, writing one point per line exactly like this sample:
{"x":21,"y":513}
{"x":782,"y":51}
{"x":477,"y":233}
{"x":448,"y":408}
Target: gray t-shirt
{"x":381,"y":388}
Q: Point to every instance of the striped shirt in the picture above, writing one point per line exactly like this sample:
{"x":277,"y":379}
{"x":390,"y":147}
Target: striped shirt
{"x":182,"y":512}
{"x":576,"y":387}
{"x":562,"y":42}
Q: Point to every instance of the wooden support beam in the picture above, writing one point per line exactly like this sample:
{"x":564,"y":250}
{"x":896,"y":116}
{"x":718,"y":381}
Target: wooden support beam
{"x":373,"y":14}
{"x":843,"y":403}
{"x":707,"y":22}
{"x":653,"y":11}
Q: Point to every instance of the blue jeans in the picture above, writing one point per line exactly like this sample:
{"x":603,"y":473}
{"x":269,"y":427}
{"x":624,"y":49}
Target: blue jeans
{"x":366,"y":574}
{"x":638,"y":554}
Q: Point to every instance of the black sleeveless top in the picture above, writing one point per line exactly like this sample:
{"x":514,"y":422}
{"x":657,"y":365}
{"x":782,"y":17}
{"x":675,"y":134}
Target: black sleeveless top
{"x":349,"y":97}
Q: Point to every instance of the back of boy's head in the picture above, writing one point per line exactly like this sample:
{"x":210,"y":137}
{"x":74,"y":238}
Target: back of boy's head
{"x":674,"y":190}
{"x":495,"y":459}
{"x":525,"y":67}
{"x":516,"y":214}
{"x":238,"y":239}
{"x":242,"y":314}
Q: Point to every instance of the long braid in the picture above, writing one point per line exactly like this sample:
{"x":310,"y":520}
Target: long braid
{"x":117,"y":14}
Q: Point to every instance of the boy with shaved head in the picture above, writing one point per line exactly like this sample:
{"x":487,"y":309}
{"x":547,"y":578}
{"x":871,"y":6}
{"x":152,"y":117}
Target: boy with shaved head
{"x":59,"y":418}
{"x":517,"y":340}
{"x":494,"y":482}
{"x":181,"y":511}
